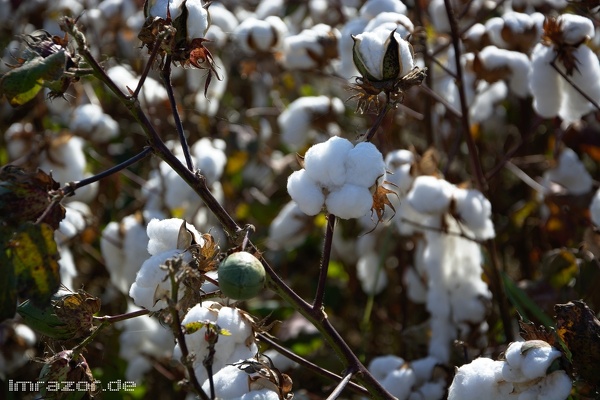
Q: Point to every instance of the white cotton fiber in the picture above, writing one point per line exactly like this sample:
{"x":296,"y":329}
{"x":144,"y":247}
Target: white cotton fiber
{"x":430,"y":195}
{"x":364,"y":165}
{"x":305,"y":192}
{"x":350,"y":201}
{"x":325,"y":162}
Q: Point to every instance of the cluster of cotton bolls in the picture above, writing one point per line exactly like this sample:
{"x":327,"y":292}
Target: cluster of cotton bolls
{"x":235,"y":344}
{"x":339,"y":175}
{"x":523,"y":374}
{"x":568,"y":176}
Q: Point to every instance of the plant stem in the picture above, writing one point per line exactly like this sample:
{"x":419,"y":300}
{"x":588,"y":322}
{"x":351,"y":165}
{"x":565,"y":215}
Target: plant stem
{"x":166,"y":77}
{"x":341,"y":386}
{"x":577,"y":88}
{"x":111,"y":319}
{"x":373,"y":130}
{"x":320,"y":294}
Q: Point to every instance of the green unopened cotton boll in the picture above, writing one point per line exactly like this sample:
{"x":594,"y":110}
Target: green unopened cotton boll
{"x":241,"y":276}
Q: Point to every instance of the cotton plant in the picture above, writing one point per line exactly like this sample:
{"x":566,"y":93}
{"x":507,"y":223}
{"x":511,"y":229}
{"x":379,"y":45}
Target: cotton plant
{"x":524,"y":373}
{"x":308,"y":118}
{"x":170,"y":241}
{"x":563,"y":49}
{"x":337,"y":175}
{"x":515,"y":31}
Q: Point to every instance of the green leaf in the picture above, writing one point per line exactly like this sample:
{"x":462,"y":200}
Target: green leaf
{"x":524,"y":305}
{"x":33,"y":256}
{"x":8,"y":281}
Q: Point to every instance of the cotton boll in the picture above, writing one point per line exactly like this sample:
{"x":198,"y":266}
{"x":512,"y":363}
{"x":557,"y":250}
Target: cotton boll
{"x":364,"y":165}
{"x":350,"y":201}
{"x":526,"y":361}
{"x":404,"y":25}
{"x":587,"y":78}
{"x":256,"y":35}
{"x":152,"y":92}
{"x":544,"y":82}
{"x":211,"y":158}
{"x":325,"y":162}
{"x":478,"y":380}
{"x":487,"y":96}
{"x":493,"y":58}
{"x":429,"y":391}
{"x":90,"y":121}
{"x":163,"y":235}
{"x":595,"y":209}
{"x":570,"y":173}
{"x":371,"y":47}
{"x":152,"y":282}
{"x":71,"y":159}
{"x":474,"y":211}
{"x":556,"y":386}
{"x":430,"y":195}
{"x":305,"y":192}
{"x":229,"y":382}
{"x":415,"y":286}
{"x":263,"y":394}
{"x":372,"y":8}
{"x":371,"y":274}
{"x":287,"y":230}
{"x":381,"y":366}
{"x":399,"y":382}
{"x":346,"y":66}
{"x":576,"y":28}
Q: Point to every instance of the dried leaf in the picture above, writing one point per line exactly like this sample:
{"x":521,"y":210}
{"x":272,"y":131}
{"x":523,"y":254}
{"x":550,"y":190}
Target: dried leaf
{"x":529,"y":331}
{"x":380,"y":200}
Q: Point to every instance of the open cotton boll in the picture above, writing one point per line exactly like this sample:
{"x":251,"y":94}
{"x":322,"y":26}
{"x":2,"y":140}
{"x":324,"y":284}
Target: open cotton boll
{"x":372,"y":8}
{"x":197,"y":19}
{"x":479,"y":380}
{"x":159,"y":8}
{"x":430,"y":195}
{"x":576,"y":28}
{"x":353,"y":27}
{"x":287,"y":229}
{"x":371,"y":274}
{"x":229,"y":382}
{"x":595,"y":209}
{"x":475,"y":212}
{"x":152,"y":283}
{"x":403,"y":24}
{"x":325,"y":162}
{"x":381,"y":366}
{"x":350,"y":201}
{"x":305,"y":192}
{"x":152,"y":91}
{"x":570,"y":173}
{"x":526,"y":361}
{"x":494,"y":58}
{"x":556,"y":386}
{"x":371,"y":48}
{"x":544,"y":82}
{"x":255,"y":35}
{"x":89,"y":120}
{"x":211,"y":158}
{"x":416,"y":290}
{"x":587,"y":79}
{"x":163,"y":234}
{"x":399,"y":382}
{"x":364,"y":165}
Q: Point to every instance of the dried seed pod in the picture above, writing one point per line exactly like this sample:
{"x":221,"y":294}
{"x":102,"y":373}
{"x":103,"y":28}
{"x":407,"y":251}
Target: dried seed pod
{"x":241,"y":276}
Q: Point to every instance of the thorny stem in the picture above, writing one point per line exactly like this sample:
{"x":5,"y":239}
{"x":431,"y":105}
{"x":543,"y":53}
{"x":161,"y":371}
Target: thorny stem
{"x":318,"y":302}
{"x":166,"y":77}
{"x":341,"y":386}
{"x":198,"y":183}
{"x":570,"y":81}
{"x":309,"y":365}
{"x":149,"y":64}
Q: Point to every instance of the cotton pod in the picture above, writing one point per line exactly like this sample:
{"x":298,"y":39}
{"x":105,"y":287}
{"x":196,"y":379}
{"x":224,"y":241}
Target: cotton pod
{"x":373,"y":8}
{"x":259,"y":36}
{"x":90,"y":121}
{"x":305,"y":192}
{"x":480,"y":379}
{"x":312,"y":48}
{"x":382,"y":55}
{"x":529,"y":360}
{"x":392,"y":20}
{"x":362,"y":155}
{"x":210,"y":158}
{"x":288,"y":229}
{"x":381,"y":366}
{"x":166,"y":234}
{"x":430,"y":195}
{"x":399,"y":166}
{"x":491,"y":61}
{"x":152,"y":92}
{"x":350,"y":201}
{"x":570,"y":173}
{"x":474,"y":212}
{"x":371,"y":273}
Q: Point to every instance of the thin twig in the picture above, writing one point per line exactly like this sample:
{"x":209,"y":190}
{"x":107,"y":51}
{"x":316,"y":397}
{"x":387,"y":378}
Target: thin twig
{"x":111,"y":319}
{"x":327,"y":245}
{"x":310,"y":365}
{"x":166,"y":77}
{"x":149,"y":63}
{"x":373,"y":130}
{"x":341,"y":386}
{"x":529,"y":181}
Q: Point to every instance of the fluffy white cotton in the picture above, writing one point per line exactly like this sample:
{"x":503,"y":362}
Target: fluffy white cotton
{"x":521,"y":376}
{"x":311,"y":48}
{"x":474,"y":212}
{"x":399,"y":382}
{"x":544,"y":82}
{"x":350,"y":201}
{"x":152,"y":93}
{"x":570,"y":173}
{"x":255,"y":35}
{"x":430,"y":195}
{"x":372,"y":8}
{"x":159,"y":8}
{"x":297,"y":122}
{"x":288,"y":229}
{"x":229,"y":349}
{"x":305,"y":192}
{"x":141,"y":339}
{"x":371,"y":48}
{"x":371,"y":273}
{"x":595,"y":209}
{"x":163,"y":235}
{"x":494,"y":58}
{"x":398,"y":165}
{"x":210,"y":158}
{"x":90,"y":121}
{"x":362,"y":154}
{"x":325,"y":162}
{"x":398,"y":21}
{"x":576,"y":28}
{"x":197,"y":19}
